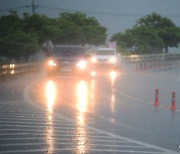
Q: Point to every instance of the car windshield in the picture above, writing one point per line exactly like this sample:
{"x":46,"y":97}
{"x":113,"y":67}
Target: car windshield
{"x":68,"y":52}
{"x":105,"y":52}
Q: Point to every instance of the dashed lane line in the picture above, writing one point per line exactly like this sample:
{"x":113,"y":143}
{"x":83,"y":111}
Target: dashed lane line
{"x":31,"y":123}
{"x":74,"y":149}
{"x":8,"y":131}
{"x":69,"y":139}
{"x":59,"y":144}
{"x":24,"y":113}
{"x":26,"y":118}
{"x":70,"y":135}
{"x":167,"y":106}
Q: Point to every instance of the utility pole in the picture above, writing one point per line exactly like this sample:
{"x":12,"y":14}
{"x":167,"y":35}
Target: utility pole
{"x":33,"y":7}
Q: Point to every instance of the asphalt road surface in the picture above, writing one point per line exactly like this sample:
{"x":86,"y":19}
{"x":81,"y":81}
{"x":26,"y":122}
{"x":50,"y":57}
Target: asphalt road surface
{"x":110,"y":113}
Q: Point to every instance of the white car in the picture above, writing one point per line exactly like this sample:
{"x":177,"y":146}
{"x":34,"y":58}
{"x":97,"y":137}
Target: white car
{"x":105,"y":57}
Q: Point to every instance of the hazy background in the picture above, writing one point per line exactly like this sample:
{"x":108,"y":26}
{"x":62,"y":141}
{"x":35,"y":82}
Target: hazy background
{"x":116,"y":15}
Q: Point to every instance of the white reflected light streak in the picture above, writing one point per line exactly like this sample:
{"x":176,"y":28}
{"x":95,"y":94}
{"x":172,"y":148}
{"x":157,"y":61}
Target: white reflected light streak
{"x":50,"y":94}
{"x":82,"y":108}
{"x":92,"y":93}
{"x":50,"y":98}
{"x":113,"y":102}
{"x":82,"y":96}
{"x":113,"y":76}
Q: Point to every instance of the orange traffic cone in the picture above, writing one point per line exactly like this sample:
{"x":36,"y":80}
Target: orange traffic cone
{"x":173,"y":105}
{"x":156,"y":102}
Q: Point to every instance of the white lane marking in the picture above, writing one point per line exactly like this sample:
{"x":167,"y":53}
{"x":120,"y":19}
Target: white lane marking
{"x":24,"y":118}
{"x":40,"y":126}
{"x":132,"y":97}
{"x":65,"y":139}
{"x":167,"y":106}
{"x":62,"y":128}
{"x":55,"y":131}
{"x":22,"y":129}
{"x":89,"y":144}
{"x":75,"y":136}
{"x":31,"y":120}
{"x":70,"y":149}
{"x":8,"y":134}
{"x":22,"y":126}
{"x":93,"y":135}
{"x":24,"y":113}
{"x":134,"y":141}
{"x":11,"y":109}
{"x":7,"y":107}
{"x":19,"y":111}
{"x":127,"y":151}
{"x":35,"y":134}
{"x":12,"y":102}
{"x":34,"y":123}
{"x":28,"y":100}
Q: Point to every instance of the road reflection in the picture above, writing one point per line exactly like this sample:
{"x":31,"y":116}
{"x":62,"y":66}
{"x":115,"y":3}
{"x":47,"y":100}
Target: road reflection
{"x":50,"y":100}
{"x":82,"y":107}
{"x":113,"y":102}
{"x":113,"y":75}
{"x":82,"y":95}
{"x":92,"y":93}
{"x":50,"y":94}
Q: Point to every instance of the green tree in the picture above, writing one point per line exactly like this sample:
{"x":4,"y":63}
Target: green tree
{"x":164,"y":27}
{"x":140,"y":40}
{"x":9,"y":24}
{"x":21,"y":37}
{"x":146,"y":40}
{"x":18,"y":45}
{"x":41,"y":25}
{"x":77,"y":28}
{"x":123,"y":39}
{"x":14,"y":43}
{"x":151,"y":34}
{"x":69,"y":33}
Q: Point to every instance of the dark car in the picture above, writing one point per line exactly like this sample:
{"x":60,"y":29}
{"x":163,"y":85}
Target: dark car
{"x":67,"y":59}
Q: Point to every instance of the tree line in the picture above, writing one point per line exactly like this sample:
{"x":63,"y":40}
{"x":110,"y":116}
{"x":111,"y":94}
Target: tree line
{"x":22,"y":36}
{"x":151,"y":34}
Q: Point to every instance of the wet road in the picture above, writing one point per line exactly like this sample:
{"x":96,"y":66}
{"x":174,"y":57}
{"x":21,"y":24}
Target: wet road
{"x":105,"y":114}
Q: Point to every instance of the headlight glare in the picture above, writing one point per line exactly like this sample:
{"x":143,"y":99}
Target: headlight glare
{"x":113,"y":60}
{"x":93,"y":59}
{"x":51,"y":63}
{"x":82,"y":64}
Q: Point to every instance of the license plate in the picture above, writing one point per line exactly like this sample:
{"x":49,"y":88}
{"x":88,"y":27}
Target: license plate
{"x":102,"y":60}
{"x":66,"y":70}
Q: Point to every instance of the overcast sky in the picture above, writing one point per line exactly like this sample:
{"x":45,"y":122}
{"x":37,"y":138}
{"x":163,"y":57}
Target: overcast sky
{"x":116,"y":15}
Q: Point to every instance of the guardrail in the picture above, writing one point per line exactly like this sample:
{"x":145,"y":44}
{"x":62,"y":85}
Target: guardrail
{"x":152,"y":57}
{"x":11,"y":69}
{"x":154,"y":61}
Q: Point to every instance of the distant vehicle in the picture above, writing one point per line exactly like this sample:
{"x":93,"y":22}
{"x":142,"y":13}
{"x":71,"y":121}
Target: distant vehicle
{"x":105,"y":57}
{"x":67,"y":59}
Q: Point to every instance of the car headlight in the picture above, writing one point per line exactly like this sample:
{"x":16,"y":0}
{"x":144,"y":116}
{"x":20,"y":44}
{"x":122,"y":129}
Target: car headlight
{"x":93,"y":59}
{"x":113,"y":75}
{"x":51,"y":63}
{"x":113,"y":60}
{"x":81,"y":64}
{"x":93,"y":73}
